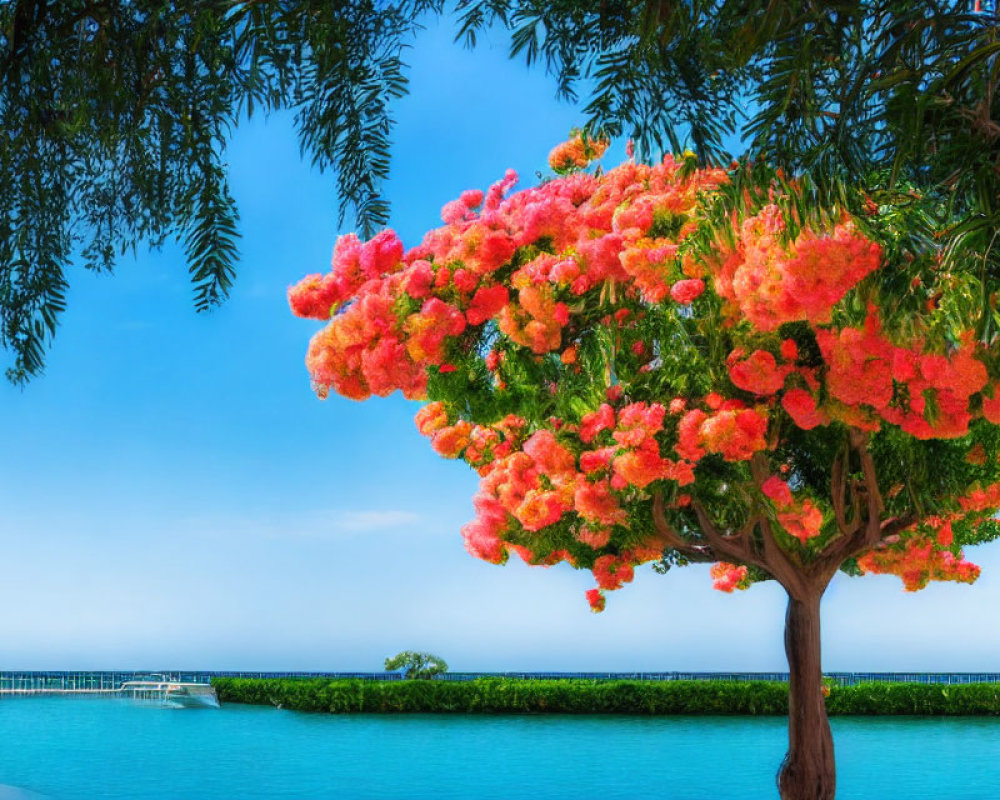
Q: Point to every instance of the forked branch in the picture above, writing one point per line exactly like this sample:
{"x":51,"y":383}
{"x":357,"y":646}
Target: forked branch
{"x":860,"y":535}
{"x":668,"y":536}
{"x":736,"y":546}
{"x":857,"y":506}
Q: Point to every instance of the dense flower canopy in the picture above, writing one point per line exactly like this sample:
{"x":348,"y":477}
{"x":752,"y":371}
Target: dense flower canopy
{"x":651,"y":365}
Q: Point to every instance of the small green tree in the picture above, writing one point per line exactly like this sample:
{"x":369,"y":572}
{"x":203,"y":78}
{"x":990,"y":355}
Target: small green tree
{"x":417,"y":665}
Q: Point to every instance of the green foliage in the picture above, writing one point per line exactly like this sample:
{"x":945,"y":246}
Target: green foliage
{"x":417,"y":665}
{"x":115,"y":119}
{"x":833,"y":88}
{"x":891,"y":97}
{"x":510,"y":696}
{"x":974,"y":699}
{"x":514,"y":696}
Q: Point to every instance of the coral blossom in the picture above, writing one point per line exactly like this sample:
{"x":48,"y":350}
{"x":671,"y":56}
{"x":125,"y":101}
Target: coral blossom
{"x":686,"y":291}
{"x":801,"y":407}
{"x":773,"y":279}
{"x":758,"y":373}
{"x":577,"y":152}
{"x":596,"y":599}
{"x":918,"y":561}
{"x":735,"y":434}
{"x":777,"y":490}
{"x":596,"y":504}
{"x":728,"y":577}
{"x":432,"y":417}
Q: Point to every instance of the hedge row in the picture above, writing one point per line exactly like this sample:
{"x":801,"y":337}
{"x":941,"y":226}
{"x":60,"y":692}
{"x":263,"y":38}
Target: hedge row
{"x":505,"y":695}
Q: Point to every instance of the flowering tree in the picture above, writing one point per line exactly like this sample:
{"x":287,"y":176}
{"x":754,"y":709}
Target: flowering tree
{"x":672,"y":365}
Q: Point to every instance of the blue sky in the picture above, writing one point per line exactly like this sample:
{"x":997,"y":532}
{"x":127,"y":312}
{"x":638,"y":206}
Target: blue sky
{"x":173,"y":495}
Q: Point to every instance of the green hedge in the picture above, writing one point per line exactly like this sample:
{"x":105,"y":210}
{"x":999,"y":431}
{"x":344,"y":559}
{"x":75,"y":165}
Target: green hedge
{"x":505,"y":696}
{"x":979,"y":699}
{"x":502,"y":695}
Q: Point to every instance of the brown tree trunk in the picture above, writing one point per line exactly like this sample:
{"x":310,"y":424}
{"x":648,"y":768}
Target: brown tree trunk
{"x":808,"y":772}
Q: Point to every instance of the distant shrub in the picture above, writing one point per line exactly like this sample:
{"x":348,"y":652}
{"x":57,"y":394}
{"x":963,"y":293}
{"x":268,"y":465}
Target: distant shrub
{"x":417,"y":665}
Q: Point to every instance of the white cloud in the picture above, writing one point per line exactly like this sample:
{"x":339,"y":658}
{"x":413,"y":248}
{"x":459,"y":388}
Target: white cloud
{"x":302,"y":524}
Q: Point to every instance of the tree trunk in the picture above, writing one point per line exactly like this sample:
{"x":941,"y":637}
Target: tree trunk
{"x":808,"y":772}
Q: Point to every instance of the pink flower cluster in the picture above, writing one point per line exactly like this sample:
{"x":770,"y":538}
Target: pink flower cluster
{"x":759,"y":373}
{"x":354,"y":264}
{"x":800,"y":518}
{"x":728,"y":577}
{"x":576,"y":153}
{"x":918,"y":560}
{"x":572,"y":485}
{"x":986,"y":498}
{"x":770,"y":279}
{"x":729,"y":428}
{"x":395,"y":316}
{"x":869,"y":377}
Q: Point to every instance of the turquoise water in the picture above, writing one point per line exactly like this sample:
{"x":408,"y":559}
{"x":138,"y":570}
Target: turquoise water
{"x":88,"y":748}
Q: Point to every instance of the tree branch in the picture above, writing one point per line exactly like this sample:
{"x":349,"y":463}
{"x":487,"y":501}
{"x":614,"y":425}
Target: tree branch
{"x":667,"y":535}
{"x":874,"y":530}
{"x":665,"y":531}
{"x":798,"y":578}
{"x":785,"y":568}
{"x":759,"y":469}
{"x":838,"y":497}
{"x":890,"y":527}
{"x":736,"y":547}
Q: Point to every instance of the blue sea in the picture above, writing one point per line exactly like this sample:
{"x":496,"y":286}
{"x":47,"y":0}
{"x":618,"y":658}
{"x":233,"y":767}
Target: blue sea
{"x":104,"y":748}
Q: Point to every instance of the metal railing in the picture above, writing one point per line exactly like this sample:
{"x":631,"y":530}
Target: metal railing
{"x":113,"y":679}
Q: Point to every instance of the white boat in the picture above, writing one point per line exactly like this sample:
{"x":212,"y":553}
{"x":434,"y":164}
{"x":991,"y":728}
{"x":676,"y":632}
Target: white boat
{"x":177,"y":694}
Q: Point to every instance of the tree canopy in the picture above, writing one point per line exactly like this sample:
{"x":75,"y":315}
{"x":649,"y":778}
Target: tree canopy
{"x":831,"y":88}
{"x":116,"y":115}
{"x":598,"y":344}
{"x":677,"y":364}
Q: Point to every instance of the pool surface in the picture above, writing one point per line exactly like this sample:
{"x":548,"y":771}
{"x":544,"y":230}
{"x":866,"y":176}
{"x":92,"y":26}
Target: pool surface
{"x":91,"y":748}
